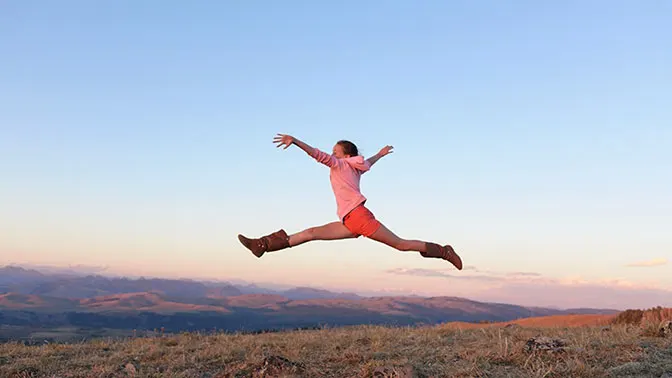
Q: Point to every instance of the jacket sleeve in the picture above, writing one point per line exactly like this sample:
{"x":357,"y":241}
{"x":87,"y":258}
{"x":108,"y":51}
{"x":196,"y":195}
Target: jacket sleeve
{"x":324,"y":158}
{"x":359,"y":163}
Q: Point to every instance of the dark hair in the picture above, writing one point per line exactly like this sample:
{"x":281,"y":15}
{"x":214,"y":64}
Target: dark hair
{"x":349,"y":148}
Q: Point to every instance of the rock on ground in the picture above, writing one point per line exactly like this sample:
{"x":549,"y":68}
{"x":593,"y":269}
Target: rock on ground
{"x":547,"y":344}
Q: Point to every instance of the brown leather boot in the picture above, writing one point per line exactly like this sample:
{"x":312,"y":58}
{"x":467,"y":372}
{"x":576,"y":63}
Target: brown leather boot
{"x":269,"y":243}
{"x":446,"y":252}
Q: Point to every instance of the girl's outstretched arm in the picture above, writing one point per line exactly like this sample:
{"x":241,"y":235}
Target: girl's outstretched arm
{"x":315,"y":153}
{"x":288,"y":140}
{"x":304,"y":146}
{"x":384,"y":151}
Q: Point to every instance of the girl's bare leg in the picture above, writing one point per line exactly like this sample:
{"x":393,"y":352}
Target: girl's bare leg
{"x":426,"y":249}
{"x":329,"y":231}
{"x":386,"y":236}
{"x":279,"y":240}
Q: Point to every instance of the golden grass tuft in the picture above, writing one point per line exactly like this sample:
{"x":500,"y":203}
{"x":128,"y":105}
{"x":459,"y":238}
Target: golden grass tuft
{"x":643,"y":317}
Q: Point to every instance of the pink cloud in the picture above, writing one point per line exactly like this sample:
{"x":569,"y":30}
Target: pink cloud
{"x":583,"y":295}
{"x":648,"y":263}
{"x":477,"y":275}
{"x":533,"y":289}
{"x":441,"y":273}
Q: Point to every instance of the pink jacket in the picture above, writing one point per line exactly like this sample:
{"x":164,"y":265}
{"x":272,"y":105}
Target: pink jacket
{"x":344,"y":176}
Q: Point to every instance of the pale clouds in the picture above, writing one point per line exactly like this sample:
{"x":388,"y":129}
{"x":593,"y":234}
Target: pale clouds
{"x":472,"y":273}
{"x":648,"y":263}
{"x":579,"y":296}
{"x":534,"y":289}
{"x":440,"y":273}
{"x":523,"y":274}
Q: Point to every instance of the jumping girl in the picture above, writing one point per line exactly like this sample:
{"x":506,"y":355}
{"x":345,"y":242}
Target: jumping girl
{"x":346,"y":167}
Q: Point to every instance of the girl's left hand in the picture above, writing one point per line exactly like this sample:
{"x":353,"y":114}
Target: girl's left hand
{"x":386,"y":150}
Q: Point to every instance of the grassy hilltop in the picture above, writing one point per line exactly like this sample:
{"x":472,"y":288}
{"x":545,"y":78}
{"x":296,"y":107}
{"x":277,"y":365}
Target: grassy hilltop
{"x":627,"y":345}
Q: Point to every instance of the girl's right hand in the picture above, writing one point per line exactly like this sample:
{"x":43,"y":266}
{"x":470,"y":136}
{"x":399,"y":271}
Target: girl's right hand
{"x":282,"y":139}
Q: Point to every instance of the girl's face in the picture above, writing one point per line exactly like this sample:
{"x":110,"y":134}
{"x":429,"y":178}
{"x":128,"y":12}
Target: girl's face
{"x":338,"y":152}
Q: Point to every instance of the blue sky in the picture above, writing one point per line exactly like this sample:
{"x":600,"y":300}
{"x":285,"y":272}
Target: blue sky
{"x":535,"y":137}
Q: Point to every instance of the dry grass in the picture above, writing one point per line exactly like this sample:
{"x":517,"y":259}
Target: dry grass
{"x":552,"y":321}
{"x":490,"y":351}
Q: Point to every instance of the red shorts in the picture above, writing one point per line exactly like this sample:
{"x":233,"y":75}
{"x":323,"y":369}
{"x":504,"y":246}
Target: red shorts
{"x":360,"y":221}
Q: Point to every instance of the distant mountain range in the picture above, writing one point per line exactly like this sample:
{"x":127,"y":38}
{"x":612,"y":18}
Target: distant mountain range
{"x":67,"y":285}
{"x":29,"y":298}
